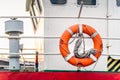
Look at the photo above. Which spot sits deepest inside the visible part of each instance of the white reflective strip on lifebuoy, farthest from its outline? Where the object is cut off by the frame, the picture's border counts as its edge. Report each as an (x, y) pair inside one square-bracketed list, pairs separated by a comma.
[(80, 29), (70, 31), (93, 57), (68, 56), (94, 34)]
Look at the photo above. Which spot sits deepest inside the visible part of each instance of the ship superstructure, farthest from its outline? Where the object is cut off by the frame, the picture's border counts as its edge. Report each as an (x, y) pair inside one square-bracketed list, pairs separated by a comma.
[(58, 15)]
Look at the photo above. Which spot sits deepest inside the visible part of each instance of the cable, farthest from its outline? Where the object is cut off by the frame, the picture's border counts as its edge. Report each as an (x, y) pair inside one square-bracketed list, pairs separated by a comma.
[(83, 44), (80, 11), (73, 39)]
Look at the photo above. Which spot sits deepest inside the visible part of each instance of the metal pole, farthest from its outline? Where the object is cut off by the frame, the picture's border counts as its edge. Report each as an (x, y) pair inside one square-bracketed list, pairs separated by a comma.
[(79, 15), (36, 62)]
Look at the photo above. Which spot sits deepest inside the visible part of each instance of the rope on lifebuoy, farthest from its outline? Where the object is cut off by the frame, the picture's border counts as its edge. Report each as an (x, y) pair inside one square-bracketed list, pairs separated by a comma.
[(87, 57)]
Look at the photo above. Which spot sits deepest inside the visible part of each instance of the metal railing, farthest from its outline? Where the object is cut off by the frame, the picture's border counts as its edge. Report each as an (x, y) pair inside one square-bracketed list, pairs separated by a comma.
[(62, 17), (56, 37), (51, 37)]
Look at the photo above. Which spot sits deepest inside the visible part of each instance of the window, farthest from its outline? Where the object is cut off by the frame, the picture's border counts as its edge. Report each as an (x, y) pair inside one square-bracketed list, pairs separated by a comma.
[(87, 2), (118, 3), (35, 10), (58, 1)]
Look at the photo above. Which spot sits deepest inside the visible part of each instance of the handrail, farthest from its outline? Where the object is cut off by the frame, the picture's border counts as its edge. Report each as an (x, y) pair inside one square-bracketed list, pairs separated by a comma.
[(52, 54), (62, 17), (50, 37)]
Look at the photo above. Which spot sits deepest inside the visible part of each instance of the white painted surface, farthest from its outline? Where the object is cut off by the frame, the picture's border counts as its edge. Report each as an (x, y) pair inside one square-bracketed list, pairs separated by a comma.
[(55, 27)]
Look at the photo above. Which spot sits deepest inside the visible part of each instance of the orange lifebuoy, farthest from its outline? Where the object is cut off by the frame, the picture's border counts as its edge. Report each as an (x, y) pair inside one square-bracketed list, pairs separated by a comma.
[(65, 52)]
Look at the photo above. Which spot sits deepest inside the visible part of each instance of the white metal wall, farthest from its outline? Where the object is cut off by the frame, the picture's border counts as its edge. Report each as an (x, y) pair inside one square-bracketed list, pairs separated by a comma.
[(114, 28), (55, 27)]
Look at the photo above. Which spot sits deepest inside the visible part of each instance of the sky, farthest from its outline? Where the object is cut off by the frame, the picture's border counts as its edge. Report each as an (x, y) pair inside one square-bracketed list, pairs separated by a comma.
[(12, 7), (15, 8)]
